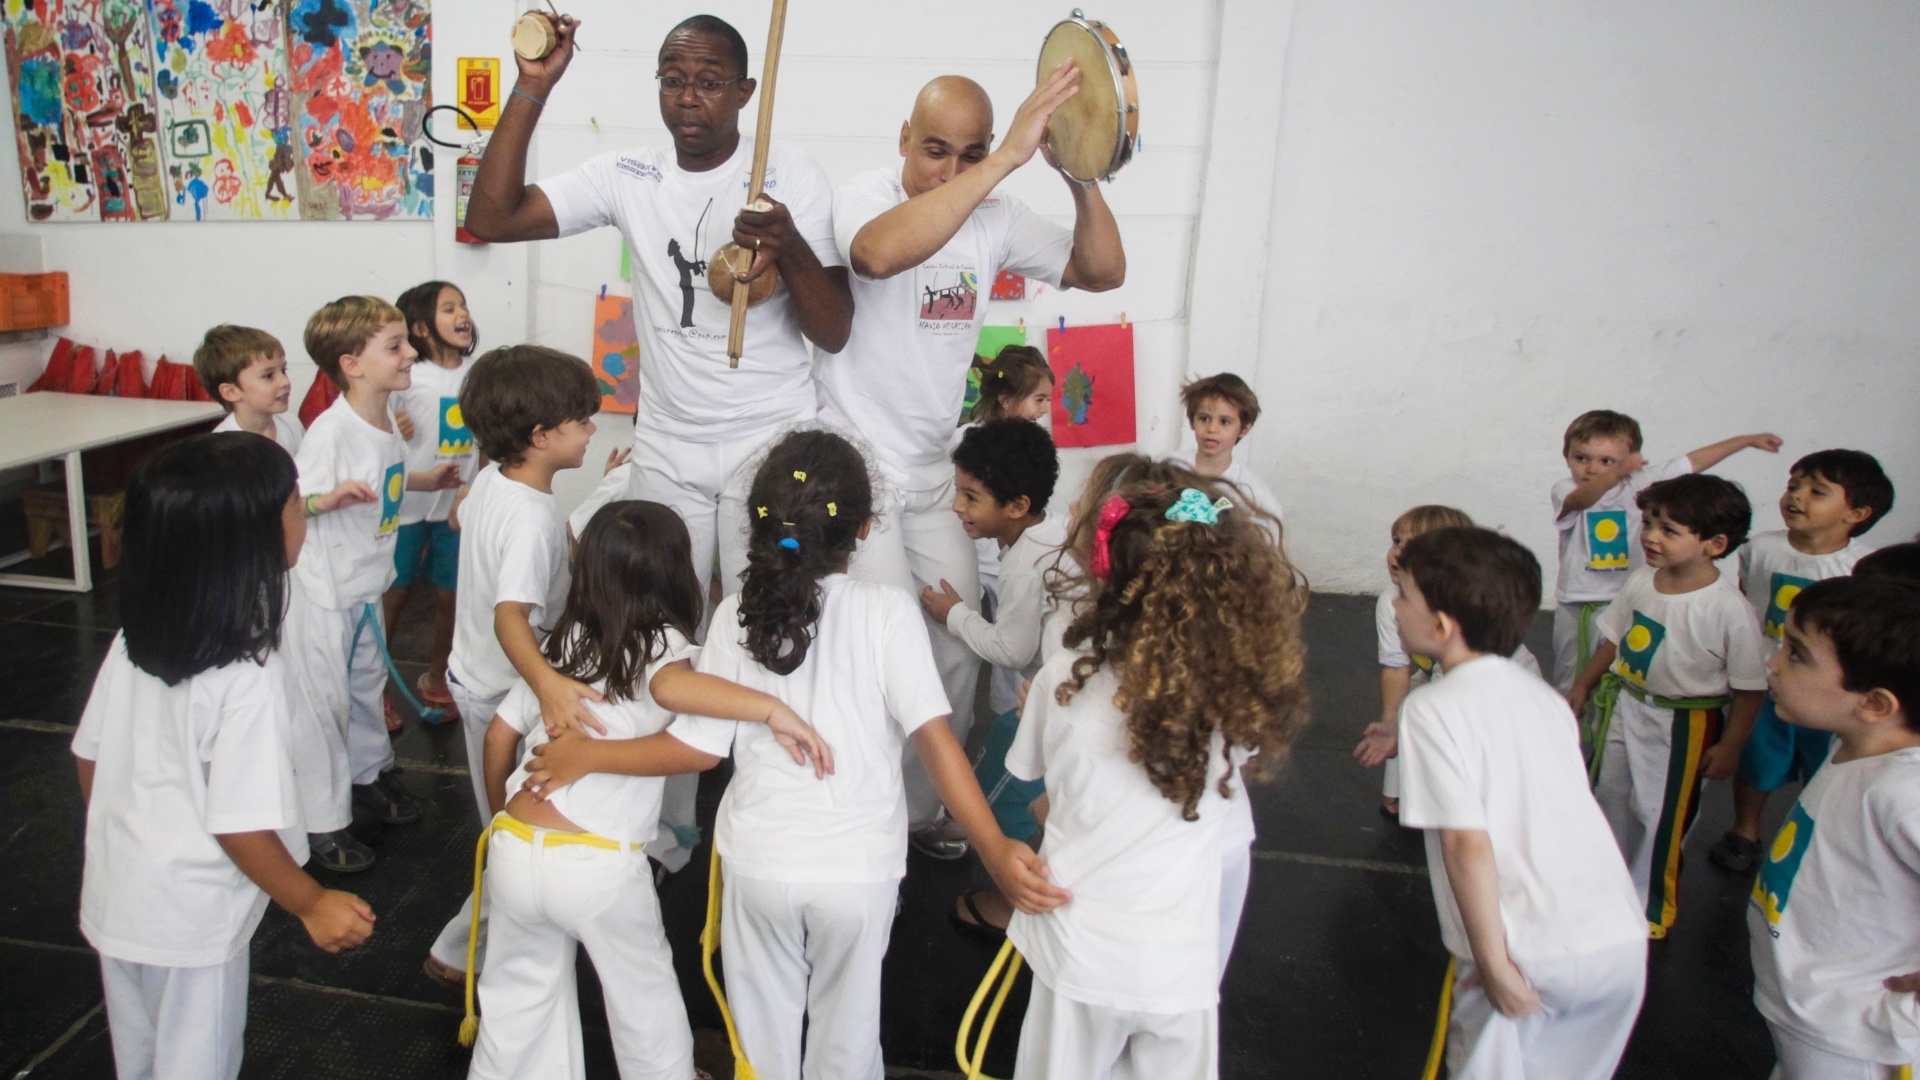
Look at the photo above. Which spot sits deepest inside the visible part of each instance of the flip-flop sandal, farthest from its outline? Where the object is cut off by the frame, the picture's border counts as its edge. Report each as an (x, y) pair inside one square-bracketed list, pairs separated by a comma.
[(1735, 854), (979, 927), (394, 720), (440, 698)]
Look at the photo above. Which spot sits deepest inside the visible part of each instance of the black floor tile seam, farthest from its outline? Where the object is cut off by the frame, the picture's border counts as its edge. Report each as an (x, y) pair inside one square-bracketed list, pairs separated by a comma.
[(1374, 866)]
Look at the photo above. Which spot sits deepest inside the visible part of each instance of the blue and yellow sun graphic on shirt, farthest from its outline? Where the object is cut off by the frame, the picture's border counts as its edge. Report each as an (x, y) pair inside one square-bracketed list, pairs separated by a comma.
[(1775, 883), (391, 488), (455, 439), (1637, 648), (1607, 540), (1782, 589)]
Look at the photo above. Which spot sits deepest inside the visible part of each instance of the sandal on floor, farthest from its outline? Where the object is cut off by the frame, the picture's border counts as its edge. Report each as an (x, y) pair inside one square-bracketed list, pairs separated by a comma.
[(394, 720), (1735, 854), (435, 699), (339, 852), (976, 924)]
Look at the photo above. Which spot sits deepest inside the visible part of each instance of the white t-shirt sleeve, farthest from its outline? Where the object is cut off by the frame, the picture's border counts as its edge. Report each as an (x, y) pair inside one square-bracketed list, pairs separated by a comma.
[(1561, 489), (582, 197), (1617, 618), (808, 197), (86, 737), (317, 464), (1034, 247), (1436, 786), (1746, 650), (912, 687), (1386, 632), (529, 553), (244, 749), (1026, 757), (858, 202), (520, 709), (724, 657)]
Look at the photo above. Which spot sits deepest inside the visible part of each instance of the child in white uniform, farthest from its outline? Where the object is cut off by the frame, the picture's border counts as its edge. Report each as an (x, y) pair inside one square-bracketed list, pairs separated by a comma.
[(1221, 410), (1679, 672), (813, 869), (1126, 973), (427, 545), (565, 866), (1534, 900), (246, 371), (531, 412), (1599, 522), (360, 342), (184, 754)]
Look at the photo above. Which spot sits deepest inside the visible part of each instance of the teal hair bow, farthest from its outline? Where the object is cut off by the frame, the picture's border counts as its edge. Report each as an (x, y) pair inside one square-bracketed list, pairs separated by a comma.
[(1193, 506)]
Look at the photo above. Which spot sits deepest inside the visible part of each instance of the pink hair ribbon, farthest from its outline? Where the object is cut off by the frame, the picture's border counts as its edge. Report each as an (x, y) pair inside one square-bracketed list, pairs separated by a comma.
[(1111, 512)]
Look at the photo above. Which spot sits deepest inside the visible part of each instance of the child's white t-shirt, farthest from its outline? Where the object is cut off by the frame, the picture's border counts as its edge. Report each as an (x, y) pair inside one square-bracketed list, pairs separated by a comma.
[(902, 377), (1239, 474), (176, 766), (1493, 748), (1772, 573), (1698, 644), (868, 683), (348, 557), (513, 550), (1600, 546), (1142, 930), (439, 434), (1832, 911), (286, 429), (1012, 639), (623, 808), (674, 221)]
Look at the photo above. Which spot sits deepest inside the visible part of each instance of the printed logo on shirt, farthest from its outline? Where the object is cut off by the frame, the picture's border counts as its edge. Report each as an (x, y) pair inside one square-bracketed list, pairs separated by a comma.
[(455, 439), (949, 293), (1775, 883), (1607, 547), (1782, 590), (638, 169), (391, 489), (1638, 647), (691, 265), (772, 180)]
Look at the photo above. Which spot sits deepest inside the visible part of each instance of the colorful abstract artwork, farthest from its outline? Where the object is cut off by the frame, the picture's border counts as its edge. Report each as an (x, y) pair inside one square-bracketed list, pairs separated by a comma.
[(1093, 401), (221, 110), (616, 353)]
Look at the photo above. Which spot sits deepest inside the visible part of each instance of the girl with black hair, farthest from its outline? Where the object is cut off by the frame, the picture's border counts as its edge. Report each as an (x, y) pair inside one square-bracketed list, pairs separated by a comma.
[(184, 754), (565, 864)]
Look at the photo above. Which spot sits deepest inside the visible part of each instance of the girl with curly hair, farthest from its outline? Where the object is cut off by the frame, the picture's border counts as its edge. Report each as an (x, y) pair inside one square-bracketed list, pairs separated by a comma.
[(1183, 662)]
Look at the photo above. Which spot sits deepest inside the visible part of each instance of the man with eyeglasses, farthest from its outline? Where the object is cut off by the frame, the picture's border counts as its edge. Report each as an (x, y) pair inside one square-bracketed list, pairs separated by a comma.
[(925, 239), (698, 419)]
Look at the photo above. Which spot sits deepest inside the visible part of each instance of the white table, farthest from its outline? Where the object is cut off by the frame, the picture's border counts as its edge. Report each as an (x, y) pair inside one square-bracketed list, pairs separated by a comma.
[(43, 426)]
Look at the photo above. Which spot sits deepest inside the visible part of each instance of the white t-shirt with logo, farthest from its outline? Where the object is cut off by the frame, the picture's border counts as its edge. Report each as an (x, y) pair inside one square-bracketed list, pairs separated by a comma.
[(439, 434), (1831, 913), (1772, 573), (1698, 644), (1142, 930), (1600, 546), (675, 221), (348, 557), (903, 375), (286, 429), (176, 766), (1493, 748), (623, 808), (513, 550), (868, 683)]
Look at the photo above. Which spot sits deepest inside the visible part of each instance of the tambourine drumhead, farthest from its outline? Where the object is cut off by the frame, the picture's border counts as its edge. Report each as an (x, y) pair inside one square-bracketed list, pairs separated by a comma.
[(1091, 135), (533, 36)]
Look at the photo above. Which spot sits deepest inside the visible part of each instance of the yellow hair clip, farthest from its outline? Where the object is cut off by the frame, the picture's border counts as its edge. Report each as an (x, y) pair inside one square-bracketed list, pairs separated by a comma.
[(763, 510), (800, 476), (832, 510)]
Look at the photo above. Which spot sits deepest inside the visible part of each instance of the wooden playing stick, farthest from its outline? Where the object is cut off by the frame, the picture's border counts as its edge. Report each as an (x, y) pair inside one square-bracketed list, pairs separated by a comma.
[(762, 142)]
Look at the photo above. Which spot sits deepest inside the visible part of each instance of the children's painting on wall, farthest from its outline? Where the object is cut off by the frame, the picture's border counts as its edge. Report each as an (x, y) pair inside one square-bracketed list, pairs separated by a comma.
[(222, 110), (1092, 384), (616, 353)]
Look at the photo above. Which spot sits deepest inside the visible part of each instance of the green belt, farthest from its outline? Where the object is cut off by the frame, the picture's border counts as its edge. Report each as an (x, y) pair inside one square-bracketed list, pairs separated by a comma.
[(1583, 633), (1599, 715)]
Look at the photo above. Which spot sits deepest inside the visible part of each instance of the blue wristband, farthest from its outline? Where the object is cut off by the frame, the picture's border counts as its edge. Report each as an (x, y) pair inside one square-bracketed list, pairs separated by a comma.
[(529, 97)]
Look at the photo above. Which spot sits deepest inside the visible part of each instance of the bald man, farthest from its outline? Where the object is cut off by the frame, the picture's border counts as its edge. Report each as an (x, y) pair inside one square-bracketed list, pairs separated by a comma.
[(924, 239)]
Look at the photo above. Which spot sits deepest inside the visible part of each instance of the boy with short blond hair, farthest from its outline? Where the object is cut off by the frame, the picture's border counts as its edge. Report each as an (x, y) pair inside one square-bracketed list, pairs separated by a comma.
[(1598, 520), (245, 370), (1675, 682), (1832, 935), (360, 342), (1221, 410)]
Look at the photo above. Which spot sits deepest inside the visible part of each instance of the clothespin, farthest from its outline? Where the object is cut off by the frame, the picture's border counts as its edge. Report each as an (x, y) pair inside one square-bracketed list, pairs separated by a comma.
[(1123, 320), (603, 292), (1023, 326), (1063, 324), (595, 121)]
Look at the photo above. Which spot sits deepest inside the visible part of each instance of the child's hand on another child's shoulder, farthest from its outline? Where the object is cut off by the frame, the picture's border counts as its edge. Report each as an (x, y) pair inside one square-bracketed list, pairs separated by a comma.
[(338, 920), (615, 459), (1022, 877), (563, 706), (1377, 743), (404, 423), (348, 493), (798, 738)]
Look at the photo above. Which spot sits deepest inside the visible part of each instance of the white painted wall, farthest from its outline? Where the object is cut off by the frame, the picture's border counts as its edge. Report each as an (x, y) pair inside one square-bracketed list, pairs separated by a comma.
[(1491, 216)]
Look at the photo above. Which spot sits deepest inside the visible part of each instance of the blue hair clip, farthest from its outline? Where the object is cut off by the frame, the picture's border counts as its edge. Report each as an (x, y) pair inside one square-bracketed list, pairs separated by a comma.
[(790, 543), (1193, 506)]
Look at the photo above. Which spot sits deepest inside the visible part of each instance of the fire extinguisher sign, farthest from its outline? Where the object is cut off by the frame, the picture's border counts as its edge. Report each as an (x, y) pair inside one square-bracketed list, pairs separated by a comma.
[(480, 89)]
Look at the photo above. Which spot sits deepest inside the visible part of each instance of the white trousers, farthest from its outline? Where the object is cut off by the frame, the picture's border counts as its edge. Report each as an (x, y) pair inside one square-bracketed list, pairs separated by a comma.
[(809, 953), (1567, 660), (450, 948), (322, 773), (1801, 1060), (918, 542), (1587, 1008), (170, 1023), (1644, 761), (1236, 870), (350, 693), (542, 900), (1390, 778), (1063, 1039)]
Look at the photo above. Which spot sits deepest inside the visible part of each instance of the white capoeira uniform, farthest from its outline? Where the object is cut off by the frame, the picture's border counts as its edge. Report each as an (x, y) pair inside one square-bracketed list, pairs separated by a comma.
[(544, 898), (900, 383), (1599, 547), (169, 913), (813, 866), (345, 568), (513, 549), (1492, 748)]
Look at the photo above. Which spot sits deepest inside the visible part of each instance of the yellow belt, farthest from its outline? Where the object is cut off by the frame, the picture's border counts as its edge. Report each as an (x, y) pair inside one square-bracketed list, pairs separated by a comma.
[(513, 826)]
